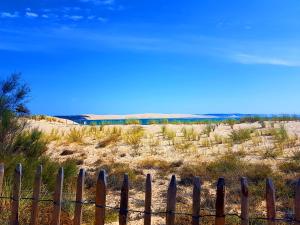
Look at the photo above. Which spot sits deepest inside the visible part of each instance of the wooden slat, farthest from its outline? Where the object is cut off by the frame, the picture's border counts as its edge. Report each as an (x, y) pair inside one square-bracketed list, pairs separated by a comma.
[(57, 198), (220, 202), (123, 214), (36, 196), (1, 177), (100, 198), (171, 202), (14, 219), (297, 202), (196, 201), (270, 201), (244, 202), (79, 198), (148, 199)]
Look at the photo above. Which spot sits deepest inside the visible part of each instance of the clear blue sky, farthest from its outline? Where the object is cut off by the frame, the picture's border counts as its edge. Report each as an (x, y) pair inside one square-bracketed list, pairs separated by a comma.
[(136, 56)]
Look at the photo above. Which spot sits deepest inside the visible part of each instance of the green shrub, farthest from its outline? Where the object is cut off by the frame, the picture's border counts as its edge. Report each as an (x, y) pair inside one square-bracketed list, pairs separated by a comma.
[(258, 172), (241, 135), (30, 143), (227, 165)]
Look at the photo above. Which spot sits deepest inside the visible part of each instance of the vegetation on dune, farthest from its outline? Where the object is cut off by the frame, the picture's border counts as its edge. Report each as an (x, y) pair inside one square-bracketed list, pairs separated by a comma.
[(228, 154), (46, 118), (75, 135), (133, 137), (132, 122), (20, 145), (253, 119), (241, 135), (190, 134)]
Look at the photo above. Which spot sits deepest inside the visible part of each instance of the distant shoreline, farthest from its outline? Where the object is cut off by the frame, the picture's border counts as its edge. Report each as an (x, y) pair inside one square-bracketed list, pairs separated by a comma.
[(144, 116)]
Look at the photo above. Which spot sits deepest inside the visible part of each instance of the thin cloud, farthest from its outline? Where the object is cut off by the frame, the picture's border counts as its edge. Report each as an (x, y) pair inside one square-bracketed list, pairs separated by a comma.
[(31, 14), (74, 17), (256, 59), (228, 50), (9, 15), (100, 2), (102, 19)]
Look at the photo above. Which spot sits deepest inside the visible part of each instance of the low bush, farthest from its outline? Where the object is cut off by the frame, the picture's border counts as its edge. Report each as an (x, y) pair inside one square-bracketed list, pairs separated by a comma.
[(190, 134), (116, 173), (257, 172), (168, 133), (187, 172), (228, 166), (30, 143), (54, 135), (241, 135), (289, 167), (157, 164), (132, 122), (133, 136), (75, 135), (208, 129), (272, 152)]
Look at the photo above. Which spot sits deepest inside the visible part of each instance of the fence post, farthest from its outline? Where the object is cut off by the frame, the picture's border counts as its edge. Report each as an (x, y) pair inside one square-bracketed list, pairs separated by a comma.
[(148, 196), (100, 198), (244, 202), (1, 177), (14, 219), (36, 196), (270, 201), (220, 202), (297, 203), (123, 213), (79, 197), (57, 198), (196, 201), (171, 202)]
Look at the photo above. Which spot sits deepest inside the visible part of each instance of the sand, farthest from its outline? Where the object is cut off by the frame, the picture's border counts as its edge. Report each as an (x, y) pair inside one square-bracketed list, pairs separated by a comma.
[(93, 157)]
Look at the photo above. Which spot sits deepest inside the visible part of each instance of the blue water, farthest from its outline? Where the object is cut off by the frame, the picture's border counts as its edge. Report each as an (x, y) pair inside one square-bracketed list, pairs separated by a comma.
[(217, 117)]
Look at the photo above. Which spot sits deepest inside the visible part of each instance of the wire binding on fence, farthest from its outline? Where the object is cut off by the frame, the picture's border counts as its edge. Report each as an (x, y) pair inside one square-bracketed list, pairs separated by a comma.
[(92, 202), (219, 212)]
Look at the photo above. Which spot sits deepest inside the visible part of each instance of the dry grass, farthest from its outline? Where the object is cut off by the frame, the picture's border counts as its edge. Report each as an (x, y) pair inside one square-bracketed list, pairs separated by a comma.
[(190, 134), (75, 135), (160, 149), (241, 135)]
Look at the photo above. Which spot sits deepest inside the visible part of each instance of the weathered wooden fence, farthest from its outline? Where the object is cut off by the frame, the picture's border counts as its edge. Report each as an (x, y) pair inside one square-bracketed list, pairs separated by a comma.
[(170, 213)]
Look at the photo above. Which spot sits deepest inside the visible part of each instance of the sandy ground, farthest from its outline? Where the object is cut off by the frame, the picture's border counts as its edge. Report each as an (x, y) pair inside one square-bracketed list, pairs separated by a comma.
[(121, 152)]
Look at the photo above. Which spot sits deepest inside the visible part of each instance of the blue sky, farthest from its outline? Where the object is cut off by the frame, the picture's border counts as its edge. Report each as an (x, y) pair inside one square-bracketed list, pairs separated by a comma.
[(137, 56)]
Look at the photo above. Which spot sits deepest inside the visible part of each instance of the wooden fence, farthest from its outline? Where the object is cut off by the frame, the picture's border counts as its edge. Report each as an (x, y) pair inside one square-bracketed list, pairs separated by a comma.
[(170, 213)]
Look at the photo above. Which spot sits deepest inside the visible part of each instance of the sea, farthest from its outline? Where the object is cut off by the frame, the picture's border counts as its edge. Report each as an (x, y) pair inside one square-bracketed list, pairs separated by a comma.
[(202, 118)]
